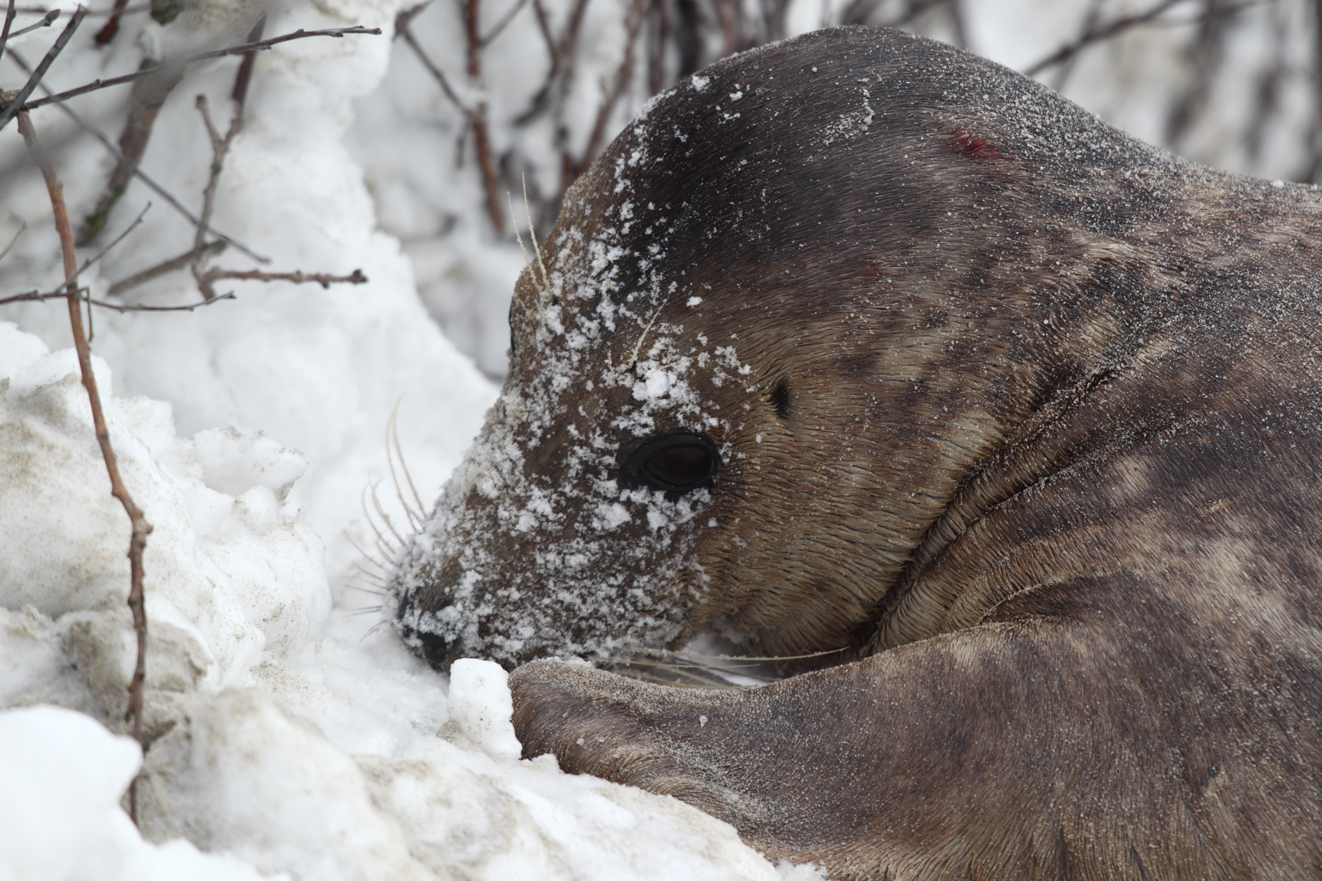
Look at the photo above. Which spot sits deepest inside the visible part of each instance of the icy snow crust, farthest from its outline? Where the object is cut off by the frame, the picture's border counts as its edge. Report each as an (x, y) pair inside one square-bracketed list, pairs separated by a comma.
[(535, 548), (287, 738)]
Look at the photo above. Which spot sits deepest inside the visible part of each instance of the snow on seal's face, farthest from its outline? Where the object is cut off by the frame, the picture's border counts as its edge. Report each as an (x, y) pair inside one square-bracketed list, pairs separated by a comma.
[(572, 525)]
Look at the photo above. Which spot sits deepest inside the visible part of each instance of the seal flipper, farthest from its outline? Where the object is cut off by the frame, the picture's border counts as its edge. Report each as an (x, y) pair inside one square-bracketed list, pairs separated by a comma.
[(1030, 748)]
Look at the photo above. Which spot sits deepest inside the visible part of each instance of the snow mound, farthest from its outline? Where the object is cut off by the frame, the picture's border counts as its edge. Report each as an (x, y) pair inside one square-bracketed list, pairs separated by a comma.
[(279, 737)]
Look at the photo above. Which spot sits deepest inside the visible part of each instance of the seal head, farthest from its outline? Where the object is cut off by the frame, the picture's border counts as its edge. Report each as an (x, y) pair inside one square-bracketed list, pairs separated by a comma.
[(791, 311)]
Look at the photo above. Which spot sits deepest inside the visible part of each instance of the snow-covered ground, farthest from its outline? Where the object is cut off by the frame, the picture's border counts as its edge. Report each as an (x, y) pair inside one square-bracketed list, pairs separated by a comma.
[(290, 734)]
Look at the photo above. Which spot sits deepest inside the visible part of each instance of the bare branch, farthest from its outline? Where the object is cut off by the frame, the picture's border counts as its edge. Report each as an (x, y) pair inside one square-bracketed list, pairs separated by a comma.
[(142, 175), (141, 528), (9, 23), (405, 17), (239, 94), (402, 30), (164, 267), (117, 307), (15, 104), (637, 13), (23, 227), (486, 162), (321, 278), (502, 24), (107, 33), (63, 290), (241, 49), (1099, 32), (46, 21)]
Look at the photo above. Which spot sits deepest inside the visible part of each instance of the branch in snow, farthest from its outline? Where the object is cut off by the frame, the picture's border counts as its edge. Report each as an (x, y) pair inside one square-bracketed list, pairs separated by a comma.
[(14, 103), (241, 49), (140, 527), (142, 175)]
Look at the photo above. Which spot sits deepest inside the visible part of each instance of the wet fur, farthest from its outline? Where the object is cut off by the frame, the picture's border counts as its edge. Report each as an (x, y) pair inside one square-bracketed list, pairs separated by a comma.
[(1034, 430)]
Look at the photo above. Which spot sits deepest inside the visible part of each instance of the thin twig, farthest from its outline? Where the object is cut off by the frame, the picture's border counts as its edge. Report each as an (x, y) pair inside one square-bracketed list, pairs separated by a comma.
[(239, 94), (23, 227), (142, 175), (15, 103), (119, 238), (220, 147), (502, 24), (46, 21), (322, 278), (622, 77), (141, 528), (486, 162), (9, 22), (164, 267), (241, 49), (107, 33), (37, 296), (1099, 32), (435, 71), (405, 17)]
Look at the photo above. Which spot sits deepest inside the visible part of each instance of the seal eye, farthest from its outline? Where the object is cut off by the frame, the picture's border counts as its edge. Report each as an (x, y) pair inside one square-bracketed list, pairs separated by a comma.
[(677, 461)]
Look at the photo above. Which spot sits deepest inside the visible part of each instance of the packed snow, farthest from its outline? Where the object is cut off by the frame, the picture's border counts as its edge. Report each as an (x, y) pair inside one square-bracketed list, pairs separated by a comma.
[(290, 735)]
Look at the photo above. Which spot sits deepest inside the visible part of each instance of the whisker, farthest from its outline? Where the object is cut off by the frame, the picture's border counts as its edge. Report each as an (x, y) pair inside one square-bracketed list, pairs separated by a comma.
[(392, 435), (532, 234), (696, 675), (381, 512), (392, 431), (366, 556), (372, 630), (371, 590), (754, 658)]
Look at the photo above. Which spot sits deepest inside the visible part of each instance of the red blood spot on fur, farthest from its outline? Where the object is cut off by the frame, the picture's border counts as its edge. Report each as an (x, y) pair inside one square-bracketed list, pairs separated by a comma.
[(972, 145)]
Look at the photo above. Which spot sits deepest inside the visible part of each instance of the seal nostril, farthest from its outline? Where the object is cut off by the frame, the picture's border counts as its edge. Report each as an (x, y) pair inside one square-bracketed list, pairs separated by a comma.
[(425, 632), (435, 649)]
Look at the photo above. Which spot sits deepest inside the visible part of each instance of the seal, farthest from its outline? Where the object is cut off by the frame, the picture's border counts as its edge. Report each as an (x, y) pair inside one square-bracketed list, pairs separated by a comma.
[(859, 343)]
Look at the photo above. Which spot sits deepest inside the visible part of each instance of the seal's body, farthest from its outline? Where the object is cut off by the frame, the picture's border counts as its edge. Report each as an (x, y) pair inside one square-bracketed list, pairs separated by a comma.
[(861, 343)]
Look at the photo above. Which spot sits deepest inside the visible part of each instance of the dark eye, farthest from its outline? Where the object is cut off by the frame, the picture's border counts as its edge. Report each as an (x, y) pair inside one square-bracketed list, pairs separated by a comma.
[(676, 461)]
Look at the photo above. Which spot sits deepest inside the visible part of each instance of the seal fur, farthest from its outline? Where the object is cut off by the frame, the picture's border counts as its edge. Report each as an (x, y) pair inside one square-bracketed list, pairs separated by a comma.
[(1022, 416)]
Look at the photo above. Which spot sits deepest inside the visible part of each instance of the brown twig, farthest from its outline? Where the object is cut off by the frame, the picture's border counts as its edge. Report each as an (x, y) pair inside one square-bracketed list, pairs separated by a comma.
[(107, 33), (475, 114), (239, 94), (502, 24), (15, 103), (9, 23), (220, 147), (141, 528), (46, 21), (637, 14), (1099, 32), (402, 30), (63, 293), (164, 268), (242, 49), (145, 103), (486, 162), (321, 278), (22, 228)]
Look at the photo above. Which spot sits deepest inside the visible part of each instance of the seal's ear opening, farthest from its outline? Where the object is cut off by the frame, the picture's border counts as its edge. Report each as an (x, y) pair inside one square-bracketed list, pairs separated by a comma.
[(676, 461), (780, 399)]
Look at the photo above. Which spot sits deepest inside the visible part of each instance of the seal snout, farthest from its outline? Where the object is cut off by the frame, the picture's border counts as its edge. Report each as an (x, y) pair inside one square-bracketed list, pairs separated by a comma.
[(429, 626)]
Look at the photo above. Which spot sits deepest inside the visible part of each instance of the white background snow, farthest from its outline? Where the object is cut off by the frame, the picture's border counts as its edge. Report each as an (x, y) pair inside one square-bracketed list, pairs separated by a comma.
[(291, 736)]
